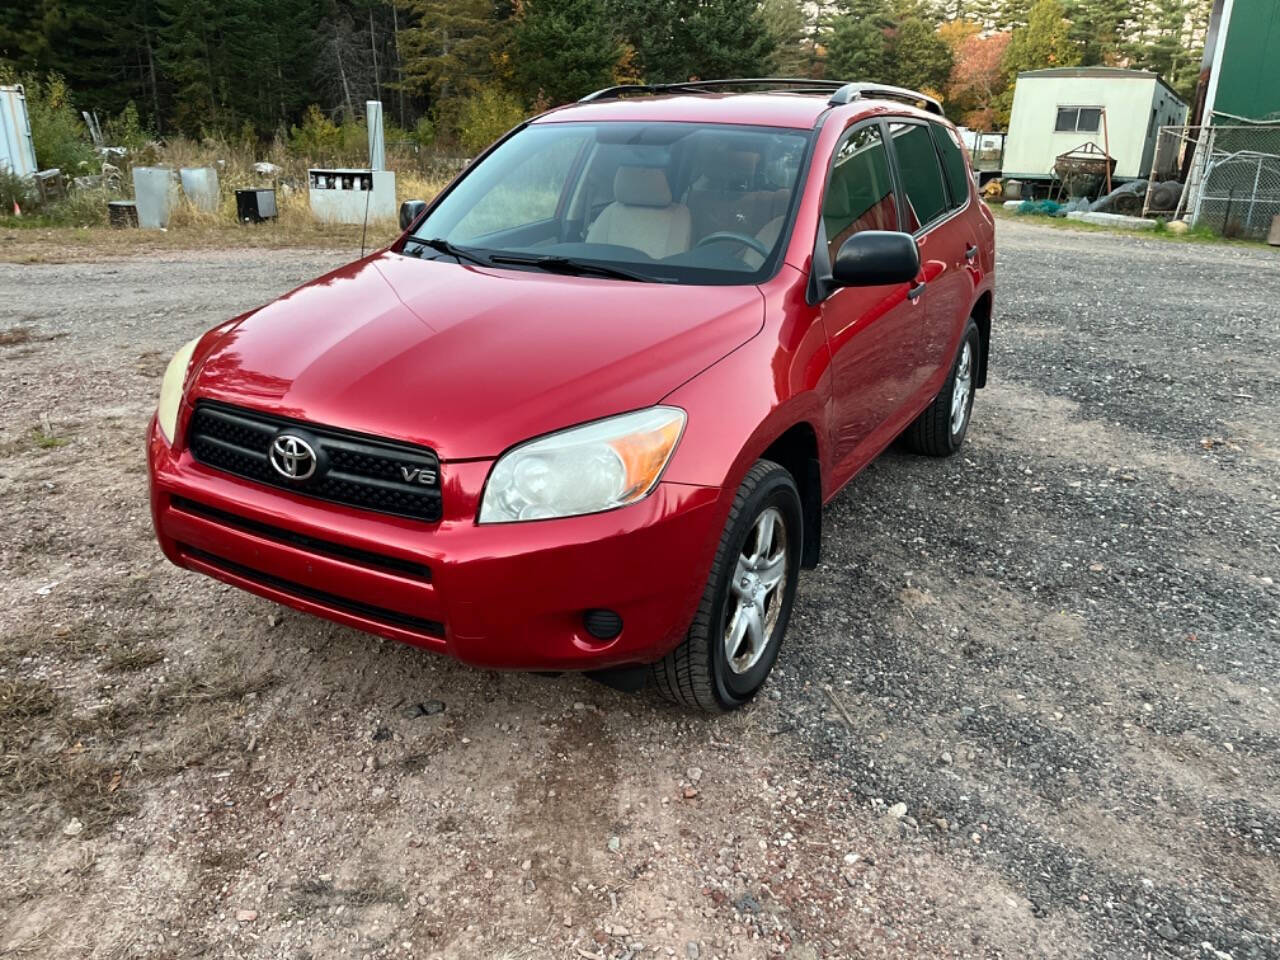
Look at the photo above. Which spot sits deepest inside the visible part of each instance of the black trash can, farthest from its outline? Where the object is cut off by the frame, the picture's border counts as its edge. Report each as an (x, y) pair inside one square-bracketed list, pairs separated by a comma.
[(254, 206), (122, 214)]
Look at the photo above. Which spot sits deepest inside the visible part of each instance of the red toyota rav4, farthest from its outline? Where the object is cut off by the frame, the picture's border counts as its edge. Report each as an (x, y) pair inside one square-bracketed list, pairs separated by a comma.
[(585, 412)]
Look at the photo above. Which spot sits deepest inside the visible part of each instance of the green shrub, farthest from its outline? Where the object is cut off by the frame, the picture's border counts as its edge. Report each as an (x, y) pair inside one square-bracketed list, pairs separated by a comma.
[(486, 115), (80, 208), (317, 138), (321, 141), (125, 129), (60, 137), (424, 132), (15, 189)]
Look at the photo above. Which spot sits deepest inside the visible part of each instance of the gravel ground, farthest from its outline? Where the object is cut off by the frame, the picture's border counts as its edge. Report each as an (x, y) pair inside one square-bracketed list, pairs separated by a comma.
[(1027, 706)]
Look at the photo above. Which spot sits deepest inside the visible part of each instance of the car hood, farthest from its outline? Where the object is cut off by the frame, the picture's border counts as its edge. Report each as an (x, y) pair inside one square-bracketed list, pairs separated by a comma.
[(470, 360)]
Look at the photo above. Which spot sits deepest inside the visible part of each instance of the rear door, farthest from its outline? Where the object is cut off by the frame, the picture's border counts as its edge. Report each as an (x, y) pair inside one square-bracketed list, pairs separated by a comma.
[(935, 184), (926, 205), (872, 331), (957, 236)]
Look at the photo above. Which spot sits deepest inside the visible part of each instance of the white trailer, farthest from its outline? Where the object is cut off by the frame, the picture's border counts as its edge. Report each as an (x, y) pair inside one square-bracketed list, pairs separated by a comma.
[(17, 150), (1056, 111)]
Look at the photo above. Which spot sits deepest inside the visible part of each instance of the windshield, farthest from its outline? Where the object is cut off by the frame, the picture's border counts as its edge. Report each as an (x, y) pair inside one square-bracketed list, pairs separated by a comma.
[(672, 202)]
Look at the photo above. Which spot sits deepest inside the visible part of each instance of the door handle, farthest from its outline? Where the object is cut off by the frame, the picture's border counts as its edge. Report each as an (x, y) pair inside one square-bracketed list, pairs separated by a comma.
[(971, 252), (915, 291)]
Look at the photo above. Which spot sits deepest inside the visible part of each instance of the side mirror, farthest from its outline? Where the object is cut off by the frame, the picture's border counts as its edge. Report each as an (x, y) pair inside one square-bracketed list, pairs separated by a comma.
[(409, 211), (876, 257)]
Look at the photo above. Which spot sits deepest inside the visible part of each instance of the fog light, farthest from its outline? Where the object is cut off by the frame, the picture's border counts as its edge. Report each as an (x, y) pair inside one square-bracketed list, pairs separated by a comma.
[(602, 624)]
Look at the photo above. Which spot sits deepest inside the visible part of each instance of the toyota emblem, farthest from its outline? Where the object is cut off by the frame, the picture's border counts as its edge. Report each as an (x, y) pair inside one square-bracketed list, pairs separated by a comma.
[(292, 457)]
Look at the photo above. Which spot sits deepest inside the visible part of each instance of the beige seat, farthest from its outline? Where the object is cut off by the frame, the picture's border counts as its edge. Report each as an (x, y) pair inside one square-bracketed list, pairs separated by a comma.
[(768, 236), (642, 215)]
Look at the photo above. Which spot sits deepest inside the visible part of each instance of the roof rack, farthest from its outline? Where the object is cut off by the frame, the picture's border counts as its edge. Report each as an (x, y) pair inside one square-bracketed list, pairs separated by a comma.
[(849, 92), (792, 84), (841, 92)]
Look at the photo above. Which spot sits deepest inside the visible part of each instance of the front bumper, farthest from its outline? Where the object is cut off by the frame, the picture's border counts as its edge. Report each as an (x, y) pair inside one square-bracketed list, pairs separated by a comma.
[(506, 596)]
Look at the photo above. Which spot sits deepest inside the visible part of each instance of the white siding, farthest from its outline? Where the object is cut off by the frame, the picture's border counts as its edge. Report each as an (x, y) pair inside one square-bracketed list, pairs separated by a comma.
[(1034, 143)]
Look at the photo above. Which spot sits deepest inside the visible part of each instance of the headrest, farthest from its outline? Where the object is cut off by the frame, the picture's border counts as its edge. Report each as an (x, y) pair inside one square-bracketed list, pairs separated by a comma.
[(725, 169), (641, 187), (741, 165)]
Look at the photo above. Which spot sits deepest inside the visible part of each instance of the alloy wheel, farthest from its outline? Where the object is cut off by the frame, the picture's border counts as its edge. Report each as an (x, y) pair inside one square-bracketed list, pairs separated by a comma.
[(963, 387), (756, 592)]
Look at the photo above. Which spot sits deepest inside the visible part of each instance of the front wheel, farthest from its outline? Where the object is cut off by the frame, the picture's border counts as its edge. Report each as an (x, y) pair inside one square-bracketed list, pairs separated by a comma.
[(734, 639), (939, 430)]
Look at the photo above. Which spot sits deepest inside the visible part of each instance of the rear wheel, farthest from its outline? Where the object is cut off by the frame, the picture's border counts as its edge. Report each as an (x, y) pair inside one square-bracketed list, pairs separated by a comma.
[(734, 639), (940, 429)]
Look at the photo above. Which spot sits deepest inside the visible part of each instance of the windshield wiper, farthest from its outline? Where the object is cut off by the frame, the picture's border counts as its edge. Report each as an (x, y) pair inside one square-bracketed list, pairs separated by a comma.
[(559, 264), (441, 245)]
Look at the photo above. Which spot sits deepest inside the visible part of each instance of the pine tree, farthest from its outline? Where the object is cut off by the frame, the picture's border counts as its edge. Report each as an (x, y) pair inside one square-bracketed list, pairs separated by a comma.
[(785, 22), (563, 49), (1044, 42), (917, 58), (856, 50), (449, 46), (186, 51), (1099, 28), (899, 45), (1012, 13), (683, 39), (1168, 44)]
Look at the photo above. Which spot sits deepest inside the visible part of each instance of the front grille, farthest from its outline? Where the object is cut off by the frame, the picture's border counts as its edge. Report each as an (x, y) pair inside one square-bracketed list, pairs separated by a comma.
[(395, 618), (353, 469), (340, 551)]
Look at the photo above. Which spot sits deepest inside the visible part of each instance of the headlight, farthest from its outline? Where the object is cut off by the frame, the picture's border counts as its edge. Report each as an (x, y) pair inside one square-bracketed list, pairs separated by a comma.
[(585, 469), (175, 378)]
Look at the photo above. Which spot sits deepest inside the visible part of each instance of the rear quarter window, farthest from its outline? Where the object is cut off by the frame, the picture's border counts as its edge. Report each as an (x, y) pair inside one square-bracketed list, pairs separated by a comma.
[(954, 168)]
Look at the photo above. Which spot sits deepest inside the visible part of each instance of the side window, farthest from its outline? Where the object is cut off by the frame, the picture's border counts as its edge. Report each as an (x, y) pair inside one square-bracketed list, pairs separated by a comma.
[(953, 165), (921, 175), (860, 191)]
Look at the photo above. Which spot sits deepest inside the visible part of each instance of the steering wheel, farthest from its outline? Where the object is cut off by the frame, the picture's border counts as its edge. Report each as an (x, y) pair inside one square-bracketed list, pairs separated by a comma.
[(728, 236)]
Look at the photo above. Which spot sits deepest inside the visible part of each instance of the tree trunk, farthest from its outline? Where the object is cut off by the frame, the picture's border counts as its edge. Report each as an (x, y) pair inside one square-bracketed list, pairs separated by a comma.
[(151, 68), (395, 41), (342, 72)]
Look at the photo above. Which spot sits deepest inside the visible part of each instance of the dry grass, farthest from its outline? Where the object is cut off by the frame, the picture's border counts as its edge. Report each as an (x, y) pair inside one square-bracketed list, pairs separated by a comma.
[(312, 896), (43, 239), (60, 761), (137, 657)]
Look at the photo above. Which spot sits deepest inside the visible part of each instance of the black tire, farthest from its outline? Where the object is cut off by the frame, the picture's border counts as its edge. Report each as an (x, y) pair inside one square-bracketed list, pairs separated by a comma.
[(932, 433), (697, 673)]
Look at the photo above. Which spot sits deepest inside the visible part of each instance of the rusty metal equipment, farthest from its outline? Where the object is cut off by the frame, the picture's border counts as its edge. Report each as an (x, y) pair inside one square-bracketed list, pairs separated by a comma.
[(1081, 171)]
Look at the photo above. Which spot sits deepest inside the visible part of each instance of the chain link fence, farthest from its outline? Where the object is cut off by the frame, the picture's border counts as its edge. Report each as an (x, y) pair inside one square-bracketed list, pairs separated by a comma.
[(1224, 177)]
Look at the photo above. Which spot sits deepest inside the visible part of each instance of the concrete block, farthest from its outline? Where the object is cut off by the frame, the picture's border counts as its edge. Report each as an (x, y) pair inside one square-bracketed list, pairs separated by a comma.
[(1112, 220), (343, 195)]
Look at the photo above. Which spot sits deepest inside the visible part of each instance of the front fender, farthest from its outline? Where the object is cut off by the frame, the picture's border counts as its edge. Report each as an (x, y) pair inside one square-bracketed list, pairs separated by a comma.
[(744, 402)]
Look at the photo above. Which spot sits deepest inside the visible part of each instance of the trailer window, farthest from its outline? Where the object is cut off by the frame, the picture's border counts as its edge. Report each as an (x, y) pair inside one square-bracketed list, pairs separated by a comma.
[(1078, 119)]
